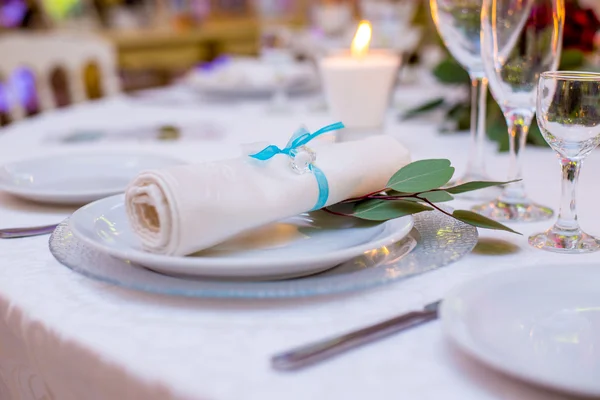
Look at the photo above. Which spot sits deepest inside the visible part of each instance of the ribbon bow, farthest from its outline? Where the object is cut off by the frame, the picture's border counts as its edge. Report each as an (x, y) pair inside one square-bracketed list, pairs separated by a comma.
[(297, 145)]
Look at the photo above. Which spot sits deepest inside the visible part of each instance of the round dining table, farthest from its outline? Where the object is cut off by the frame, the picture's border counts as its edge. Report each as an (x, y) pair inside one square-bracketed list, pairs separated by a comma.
[(64, 336)]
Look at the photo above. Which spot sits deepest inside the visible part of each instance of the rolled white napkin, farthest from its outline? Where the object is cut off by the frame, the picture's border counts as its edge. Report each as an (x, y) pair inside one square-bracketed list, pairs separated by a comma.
[(185, 209)]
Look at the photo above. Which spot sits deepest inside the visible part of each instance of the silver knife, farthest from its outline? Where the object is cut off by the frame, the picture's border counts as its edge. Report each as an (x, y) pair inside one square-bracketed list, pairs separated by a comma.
[(14, 233), (316, 352)]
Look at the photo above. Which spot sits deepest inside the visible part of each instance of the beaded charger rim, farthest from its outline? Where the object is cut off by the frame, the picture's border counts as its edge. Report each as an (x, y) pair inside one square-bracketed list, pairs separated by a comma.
[(436, 240)]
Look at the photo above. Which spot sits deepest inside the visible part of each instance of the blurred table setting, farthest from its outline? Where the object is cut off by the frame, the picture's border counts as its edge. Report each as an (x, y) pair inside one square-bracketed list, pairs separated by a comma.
[(355, 210)]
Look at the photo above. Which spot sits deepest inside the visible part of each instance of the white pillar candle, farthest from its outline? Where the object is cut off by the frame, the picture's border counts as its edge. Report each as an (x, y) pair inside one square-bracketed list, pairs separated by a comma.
[(357, 84)]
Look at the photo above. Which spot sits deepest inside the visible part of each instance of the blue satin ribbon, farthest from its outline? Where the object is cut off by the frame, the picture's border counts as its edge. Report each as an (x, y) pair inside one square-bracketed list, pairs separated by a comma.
[(299, 139)]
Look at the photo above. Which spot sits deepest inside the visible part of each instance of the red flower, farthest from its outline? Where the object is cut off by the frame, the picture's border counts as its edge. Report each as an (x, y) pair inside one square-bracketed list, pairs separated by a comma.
[(581, 25)]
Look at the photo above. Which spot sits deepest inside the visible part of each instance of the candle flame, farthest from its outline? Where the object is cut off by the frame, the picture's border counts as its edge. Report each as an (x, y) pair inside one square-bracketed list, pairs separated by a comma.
[(362, 39)]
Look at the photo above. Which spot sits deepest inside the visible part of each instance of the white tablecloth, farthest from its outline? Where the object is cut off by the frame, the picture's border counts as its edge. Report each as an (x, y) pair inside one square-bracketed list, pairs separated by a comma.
[(63, 336)]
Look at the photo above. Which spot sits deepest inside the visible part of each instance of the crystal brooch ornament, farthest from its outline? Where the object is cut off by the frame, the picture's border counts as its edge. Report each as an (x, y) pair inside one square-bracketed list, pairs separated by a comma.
[(301, 159)]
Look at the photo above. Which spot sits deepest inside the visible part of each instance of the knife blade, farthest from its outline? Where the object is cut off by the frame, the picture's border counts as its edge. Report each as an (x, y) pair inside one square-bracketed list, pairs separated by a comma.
[(316, 352)]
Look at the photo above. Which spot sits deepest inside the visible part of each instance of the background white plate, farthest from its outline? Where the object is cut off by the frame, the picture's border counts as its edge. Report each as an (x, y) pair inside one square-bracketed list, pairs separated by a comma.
[(253, 77), (76, 178), (540, 324), (296, 88), (299, 246)]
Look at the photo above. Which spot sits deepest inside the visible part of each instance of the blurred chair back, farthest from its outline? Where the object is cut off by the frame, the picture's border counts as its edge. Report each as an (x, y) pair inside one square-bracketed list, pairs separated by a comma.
[(42, 54)]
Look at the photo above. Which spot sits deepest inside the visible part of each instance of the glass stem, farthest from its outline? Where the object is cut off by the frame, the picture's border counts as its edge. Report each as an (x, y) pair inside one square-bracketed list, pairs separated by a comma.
[(518, 122), (476, 165), (567, 218)]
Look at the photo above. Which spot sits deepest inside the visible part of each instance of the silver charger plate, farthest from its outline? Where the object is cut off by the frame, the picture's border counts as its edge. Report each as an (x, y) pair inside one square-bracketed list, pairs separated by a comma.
[(435, 241), (298, 88)]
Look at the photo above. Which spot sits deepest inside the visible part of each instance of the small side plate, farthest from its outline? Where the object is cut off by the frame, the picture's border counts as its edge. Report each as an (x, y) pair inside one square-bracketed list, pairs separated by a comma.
[(538, 324), (76, 179)]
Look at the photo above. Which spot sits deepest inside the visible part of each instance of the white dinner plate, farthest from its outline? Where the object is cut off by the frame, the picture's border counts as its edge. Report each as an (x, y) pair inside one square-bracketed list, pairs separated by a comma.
[(539, 324), (76, 179), (254, 78), (216, 89), (302, 245)]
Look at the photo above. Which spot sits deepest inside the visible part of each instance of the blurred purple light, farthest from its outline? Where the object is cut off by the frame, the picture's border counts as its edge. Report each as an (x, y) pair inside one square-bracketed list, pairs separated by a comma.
[(22, 85), (216, 63), (3, 98), (12, 12)]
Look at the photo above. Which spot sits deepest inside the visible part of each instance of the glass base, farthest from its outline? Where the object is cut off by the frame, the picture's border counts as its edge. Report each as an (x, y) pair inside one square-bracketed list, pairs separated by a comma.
[(567, 242), (477, 195), (499, 210)]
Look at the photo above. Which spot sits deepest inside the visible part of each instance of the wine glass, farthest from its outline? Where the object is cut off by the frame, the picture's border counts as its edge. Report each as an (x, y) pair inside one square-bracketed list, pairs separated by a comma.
[(391, 21), (568, 113), (520, 40), (276, 39), (332, 17), (275, 51), (459, 24)]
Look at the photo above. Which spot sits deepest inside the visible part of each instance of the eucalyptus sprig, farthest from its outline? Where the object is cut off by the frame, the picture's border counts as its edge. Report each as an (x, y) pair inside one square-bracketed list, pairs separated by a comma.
[(415, 188)]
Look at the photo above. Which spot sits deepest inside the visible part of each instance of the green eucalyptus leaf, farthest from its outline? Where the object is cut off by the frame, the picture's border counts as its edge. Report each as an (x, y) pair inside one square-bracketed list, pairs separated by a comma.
[(382, 210), (422, 176), (438, 196), (342, 208), (480, 221), (475, 185), (429, 106)]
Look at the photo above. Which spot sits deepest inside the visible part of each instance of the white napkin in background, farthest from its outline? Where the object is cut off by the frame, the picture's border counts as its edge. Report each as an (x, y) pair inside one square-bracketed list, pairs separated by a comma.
[(185, 209)]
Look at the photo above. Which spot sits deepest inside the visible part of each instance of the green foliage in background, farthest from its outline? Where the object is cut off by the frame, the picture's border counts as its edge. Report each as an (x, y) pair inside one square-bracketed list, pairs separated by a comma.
[(459, 114)]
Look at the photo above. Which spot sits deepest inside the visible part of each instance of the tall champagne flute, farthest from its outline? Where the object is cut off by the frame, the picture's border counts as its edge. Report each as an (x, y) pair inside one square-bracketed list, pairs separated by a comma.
[(568, 113), (459, 24), (520, 39)]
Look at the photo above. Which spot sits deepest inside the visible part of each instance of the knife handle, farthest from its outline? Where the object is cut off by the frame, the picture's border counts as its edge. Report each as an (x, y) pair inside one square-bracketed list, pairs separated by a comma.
[(14, 233), (322, 350)]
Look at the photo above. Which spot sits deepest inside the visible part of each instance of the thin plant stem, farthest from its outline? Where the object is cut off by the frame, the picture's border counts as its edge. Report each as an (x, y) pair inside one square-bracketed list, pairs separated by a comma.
[(365, 196), (436, 207), (327, 210)]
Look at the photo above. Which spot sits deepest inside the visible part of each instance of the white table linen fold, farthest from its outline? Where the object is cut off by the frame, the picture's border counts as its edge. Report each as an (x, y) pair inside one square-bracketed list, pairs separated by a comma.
[(64, 336)]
